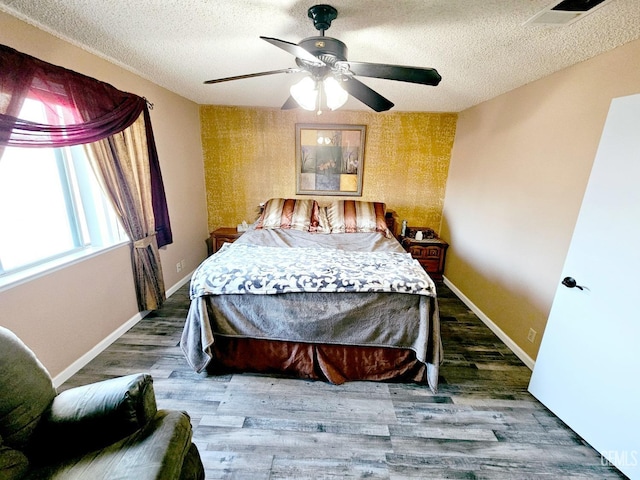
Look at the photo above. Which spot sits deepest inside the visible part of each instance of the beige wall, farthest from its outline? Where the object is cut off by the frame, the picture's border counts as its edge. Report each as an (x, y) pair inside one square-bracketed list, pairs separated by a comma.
[(68, 312), (250, 157), (519, 168)]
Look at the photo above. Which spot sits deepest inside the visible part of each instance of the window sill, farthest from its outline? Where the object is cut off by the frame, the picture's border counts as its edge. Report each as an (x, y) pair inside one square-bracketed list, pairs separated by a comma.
[(11, 280)]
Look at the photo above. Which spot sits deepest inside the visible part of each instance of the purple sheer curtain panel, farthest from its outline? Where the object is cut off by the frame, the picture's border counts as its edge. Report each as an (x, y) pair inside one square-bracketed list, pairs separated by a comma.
[(164, 236), (14, 85)]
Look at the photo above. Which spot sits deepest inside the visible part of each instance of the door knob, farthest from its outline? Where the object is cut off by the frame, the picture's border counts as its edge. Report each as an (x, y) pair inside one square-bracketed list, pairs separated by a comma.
[(570, 282)]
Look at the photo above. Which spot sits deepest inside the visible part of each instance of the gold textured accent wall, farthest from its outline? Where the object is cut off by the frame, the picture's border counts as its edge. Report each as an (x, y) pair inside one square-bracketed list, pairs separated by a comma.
[(249, 157)]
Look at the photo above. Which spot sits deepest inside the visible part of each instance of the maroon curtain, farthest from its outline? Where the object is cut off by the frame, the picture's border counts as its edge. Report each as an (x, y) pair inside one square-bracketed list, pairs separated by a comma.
[(158, 198), (98, 110)]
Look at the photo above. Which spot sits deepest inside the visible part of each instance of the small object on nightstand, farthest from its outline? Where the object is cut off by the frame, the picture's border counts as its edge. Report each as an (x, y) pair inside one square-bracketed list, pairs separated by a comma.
[(223, 235), (424, 232), (242, 227)]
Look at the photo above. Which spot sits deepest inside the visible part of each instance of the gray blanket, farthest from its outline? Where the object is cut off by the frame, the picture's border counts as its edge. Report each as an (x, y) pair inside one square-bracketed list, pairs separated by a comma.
[(365, 316)]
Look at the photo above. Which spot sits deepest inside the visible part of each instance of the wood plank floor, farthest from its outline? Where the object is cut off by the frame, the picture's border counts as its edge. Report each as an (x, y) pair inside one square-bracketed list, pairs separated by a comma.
[(481, 424)]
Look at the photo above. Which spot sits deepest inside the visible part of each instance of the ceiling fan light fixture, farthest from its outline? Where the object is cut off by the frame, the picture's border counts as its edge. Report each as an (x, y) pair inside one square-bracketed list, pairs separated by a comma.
[(324, 59), (334, 93), (305, 92)]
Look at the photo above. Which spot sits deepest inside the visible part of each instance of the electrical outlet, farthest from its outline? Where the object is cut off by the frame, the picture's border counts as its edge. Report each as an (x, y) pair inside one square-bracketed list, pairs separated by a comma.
[(532, 335), (182, 264), (178, 267)]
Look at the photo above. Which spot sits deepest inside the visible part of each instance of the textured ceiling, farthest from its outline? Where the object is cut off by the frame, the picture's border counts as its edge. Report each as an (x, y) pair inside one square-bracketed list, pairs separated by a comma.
[(480, 48)]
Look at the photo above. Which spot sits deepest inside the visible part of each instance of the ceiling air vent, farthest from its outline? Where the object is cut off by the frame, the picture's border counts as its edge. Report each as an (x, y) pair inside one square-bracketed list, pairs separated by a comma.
[(565, 12)]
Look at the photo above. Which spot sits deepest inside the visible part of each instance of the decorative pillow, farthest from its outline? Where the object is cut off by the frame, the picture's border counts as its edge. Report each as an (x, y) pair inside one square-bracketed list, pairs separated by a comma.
[(351, 216), (289, 213)]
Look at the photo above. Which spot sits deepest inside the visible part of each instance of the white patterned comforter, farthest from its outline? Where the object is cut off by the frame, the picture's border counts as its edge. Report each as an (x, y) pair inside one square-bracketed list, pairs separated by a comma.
[(261, 270)]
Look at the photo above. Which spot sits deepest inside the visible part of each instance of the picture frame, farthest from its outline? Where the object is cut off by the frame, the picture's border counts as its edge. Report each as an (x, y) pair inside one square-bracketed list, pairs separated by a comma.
[(329, 159)]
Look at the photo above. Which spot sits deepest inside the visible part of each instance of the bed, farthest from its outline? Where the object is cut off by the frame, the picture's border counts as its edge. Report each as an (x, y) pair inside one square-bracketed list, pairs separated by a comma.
[(315, 292)]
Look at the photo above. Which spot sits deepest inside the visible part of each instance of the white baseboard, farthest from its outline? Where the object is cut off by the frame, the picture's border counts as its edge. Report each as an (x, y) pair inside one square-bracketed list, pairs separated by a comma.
[(519, 352), (180, 283), (72, 369)]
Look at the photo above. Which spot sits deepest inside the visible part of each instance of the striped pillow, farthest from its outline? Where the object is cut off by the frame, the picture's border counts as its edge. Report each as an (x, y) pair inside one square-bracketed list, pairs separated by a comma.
[(351, 216), (289, 213)]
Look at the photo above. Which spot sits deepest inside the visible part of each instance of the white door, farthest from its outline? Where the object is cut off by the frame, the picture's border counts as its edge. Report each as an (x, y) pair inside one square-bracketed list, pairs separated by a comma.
[(588, 367)]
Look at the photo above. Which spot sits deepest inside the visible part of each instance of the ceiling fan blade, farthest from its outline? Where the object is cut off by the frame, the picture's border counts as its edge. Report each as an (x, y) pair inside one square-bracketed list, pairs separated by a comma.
[(366, 95), (250, 75), (290, 104), (424, 76), (294, 50)]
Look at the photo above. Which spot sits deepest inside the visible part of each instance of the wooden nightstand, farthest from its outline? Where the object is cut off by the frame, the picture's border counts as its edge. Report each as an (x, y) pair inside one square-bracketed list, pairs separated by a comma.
[(430, 252), (223, 235)]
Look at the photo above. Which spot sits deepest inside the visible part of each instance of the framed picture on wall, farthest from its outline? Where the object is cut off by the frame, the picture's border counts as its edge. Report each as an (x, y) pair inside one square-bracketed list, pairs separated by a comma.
[(329, 159)]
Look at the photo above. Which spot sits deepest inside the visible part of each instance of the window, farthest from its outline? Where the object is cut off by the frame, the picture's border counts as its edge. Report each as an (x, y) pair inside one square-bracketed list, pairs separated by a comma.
[(51, 205)]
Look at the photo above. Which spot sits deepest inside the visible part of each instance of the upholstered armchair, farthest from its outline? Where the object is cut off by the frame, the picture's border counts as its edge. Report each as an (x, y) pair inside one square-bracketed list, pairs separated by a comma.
[(106, 430)]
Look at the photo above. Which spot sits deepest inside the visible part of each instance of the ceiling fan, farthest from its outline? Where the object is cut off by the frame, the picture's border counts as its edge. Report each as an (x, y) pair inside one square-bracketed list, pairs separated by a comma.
[(331, 75)]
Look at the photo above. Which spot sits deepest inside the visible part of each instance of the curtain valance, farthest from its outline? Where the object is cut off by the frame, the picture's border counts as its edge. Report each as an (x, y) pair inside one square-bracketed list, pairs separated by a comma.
[(93, 110), (80, 110)]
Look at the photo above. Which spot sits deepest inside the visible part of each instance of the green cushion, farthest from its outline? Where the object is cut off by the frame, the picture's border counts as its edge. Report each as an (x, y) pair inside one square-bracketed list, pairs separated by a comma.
[(192, 468), (13, 463), (26, 390), (148, 444), (155, 452), (93, 416)]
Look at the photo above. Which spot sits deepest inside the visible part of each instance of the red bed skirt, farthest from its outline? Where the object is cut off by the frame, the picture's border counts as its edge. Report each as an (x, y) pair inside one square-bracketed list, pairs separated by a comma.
[(333, 363)]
